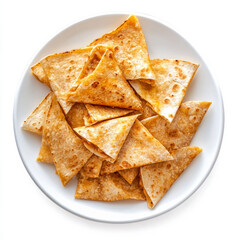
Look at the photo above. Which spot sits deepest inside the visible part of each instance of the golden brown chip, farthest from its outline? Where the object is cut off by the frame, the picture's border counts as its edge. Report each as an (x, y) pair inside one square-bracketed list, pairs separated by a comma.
[(45, 154), (130, 49), (108, 136), (98, 113), (111, 187), (158, 178), (167, 92), (95, 150), (105, 86), (34, 123), (180, 132), (92, 168), (147, 111), (75, 116), (140, 148), (69, 153), (129, 174), (39, 73), (62, 70)]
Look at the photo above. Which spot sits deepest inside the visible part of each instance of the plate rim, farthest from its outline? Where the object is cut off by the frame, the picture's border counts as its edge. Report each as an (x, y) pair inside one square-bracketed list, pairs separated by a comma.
[(103, 14)]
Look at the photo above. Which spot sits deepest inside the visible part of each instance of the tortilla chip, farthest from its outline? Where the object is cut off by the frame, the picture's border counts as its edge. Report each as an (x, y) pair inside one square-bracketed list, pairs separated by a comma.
[(69, 153), (105, 86), (140, 148), (111, 187), (180, 132), (62, 70), (34, 123), (158, 178), (167, 92), (130, 50), (147, 111), (39, 73), (95, 150), (108, 136), (45, 154), (92, 168), (129, 174), (98, 113), (75, 116)]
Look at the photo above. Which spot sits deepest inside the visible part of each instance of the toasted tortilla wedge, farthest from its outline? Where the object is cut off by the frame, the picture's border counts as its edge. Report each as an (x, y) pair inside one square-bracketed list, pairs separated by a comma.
[(62, 70), (68, 151), (45, 154), (108, 136), (75, 116), (111, 187), (98, 113), (167, 92), (95, 150), (92, 168), (105, 86), (130, 50), (34, 123), (180, 132), (147, 111), (139, 149), (129, 174), (39, 73), (158, 178)]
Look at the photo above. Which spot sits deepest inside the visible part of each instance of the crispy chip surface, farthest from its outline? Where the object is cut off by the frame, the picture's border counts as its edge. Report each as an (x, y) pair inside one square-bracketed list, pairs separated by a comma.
[(140, 148), (62, 70), (180, 132), (98, 113), (105, 86), (75, 116), (129, 174), (111, 187), (166, 93), (130, 49), (108, 136), (34, 123), (45, 154), (68, 151), (158, 178), (39, 73)]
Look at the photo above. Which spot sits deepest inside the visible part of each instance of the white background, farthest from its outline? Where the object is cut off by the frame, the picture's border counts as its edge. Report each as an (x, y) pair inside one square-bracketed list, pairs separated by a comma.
[(213, 28)]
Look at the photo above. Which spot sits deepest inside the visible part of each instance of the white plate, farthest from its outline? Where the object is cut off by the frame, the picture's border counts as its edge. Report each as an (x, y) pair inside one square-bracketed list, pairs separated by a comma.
[(163, 42)]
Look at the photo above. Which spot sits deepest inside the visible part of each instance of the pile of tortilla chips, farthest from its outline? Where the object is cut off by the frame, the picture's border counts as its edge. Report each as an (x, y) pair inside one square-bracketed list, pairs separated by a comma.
[(115, 118)]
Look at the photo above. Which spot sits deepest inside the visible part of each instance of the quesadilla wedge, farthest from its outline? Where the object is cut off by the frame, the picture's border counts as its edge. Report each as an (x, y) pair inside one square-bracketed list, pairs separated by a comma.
[(108, 136), (45, 154), (168, 91), (34, 123), (68, 151), (140, 148), (98, 113), (95, 150), (158, 178), (39, 73), (111, 187), (180, 132), (130, 50), (62, 70), (92, 168), (105, 86), (129, 174)]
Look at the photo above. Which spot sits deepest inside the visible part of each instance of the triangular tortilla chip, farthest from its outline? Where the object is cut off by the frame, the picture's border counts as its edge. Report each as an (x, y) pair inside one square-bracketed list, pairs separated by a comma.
[(95, 150), (105, 86), (180, 132), (167, 92), (45, 154), (62, 70), (158, 178), (34, 123), (139, 149), (108, 136), (130, 49), (98, 113), (111, 187), (129, 174), (39, 73), (69, 153), (75, 116), (92, 168), (147, 111)]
